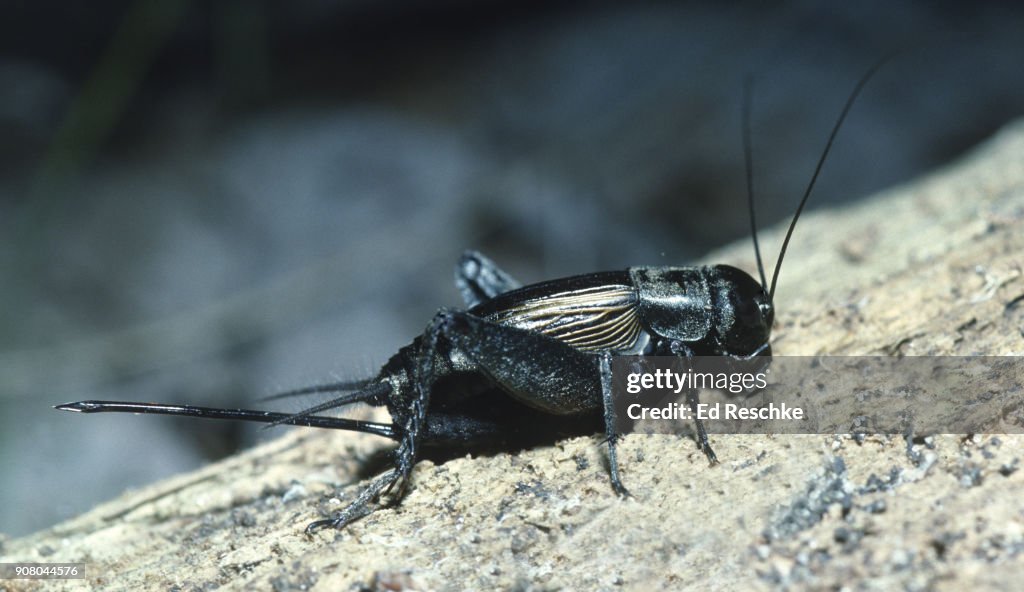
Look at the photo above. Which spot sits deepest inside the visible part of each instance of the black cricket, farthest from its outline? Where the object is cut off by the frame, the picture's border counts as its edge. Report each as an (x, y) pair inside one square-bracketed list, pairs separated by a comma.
[(523, 360)]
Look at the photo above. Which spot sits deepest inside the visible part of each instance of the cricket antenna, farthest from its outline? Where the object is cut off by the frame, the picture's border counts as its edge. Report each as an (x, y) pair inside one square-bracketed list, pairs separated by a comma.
[(821, 162), (748, 89)]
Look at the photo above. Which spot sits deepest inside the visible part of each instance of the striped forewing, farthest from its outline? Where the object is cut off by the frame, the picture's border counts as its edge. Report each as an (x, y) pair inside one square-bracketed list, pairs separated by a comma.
[(591, 319)]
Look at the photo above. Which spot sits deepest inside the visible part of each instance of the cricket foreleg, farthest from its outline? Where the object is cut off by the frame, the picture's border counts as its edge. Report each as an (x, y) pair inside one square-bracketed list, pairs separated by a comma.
[(693, 400)]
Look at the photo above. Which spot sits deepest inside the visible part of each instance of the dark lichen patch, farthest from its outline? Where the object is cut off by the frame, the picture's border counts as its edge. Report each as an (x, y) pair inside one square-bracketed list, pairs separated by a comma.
[(192, 587), (582, 463), (243, 518), (878, 506), (999, 547), (827, 489), (970, 474), (848, 538), (299, 579), (876, 484), (943, 544), (392, 581), (535, 488)]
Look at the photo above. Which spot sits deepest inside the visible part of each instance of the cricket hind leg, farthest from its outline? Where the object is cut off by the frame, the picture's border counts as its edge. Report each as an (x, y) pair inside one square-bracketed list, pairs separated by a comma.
[(536, 370), (368, 499), (409, 434), (479, 279), (540, 372), (486, 420), (362, 506)]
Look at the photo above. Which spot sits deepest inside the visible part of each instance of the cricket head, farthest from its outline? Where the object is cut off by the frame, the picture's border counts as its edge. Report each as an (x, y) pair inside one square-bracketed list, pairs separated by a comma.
[(743, 313)]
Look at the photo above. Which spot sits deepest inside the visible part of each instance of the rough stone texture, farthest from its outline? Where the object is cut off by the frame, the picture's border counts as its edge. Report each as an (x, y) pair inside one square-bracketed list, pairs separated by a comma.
[(932, 268)]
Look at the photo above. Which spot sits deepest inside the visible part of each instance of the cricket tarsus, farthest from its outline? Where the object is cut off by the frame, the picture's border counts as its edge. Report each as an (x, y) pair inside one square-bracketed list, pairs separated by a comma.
[(315, 421), (363, 506)]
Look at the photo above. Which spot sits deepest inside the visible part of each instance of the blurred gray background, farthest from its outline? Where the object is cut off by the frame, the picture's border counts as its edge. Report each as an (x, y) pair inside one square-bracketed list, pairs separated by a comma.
[(210, 202)]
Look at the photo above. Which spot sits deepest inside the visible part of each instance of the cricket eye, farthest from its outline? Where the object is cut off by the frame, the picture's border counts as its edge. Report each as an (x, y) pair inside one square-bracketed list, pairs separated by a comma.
[(748, 312)]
